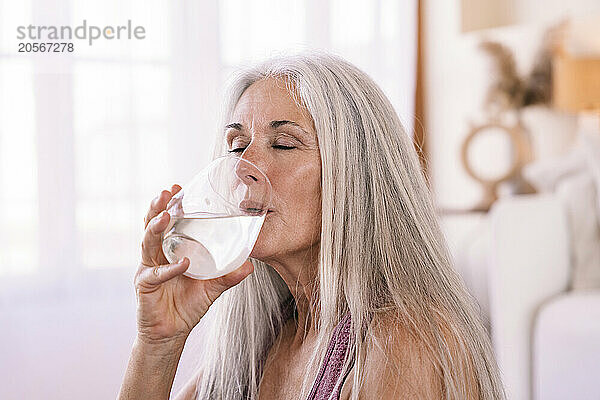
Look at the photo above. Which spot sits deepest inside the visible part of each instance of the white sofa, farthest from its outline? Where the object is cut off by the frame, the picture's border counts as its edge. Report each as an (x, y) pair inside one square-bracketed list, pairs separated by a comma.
[(546, 338)]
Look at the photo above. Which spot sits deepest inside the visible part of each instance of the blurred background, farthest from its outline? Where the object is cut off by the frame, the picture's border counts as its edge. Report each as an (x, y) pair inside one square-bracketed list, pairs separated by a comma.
[(502, 100)]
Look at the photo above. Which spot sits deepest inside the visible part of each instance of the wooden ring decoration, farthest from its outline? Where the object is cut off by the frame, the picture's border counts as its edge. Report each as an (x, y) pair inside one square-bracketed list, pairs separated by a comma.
[(520, 156)]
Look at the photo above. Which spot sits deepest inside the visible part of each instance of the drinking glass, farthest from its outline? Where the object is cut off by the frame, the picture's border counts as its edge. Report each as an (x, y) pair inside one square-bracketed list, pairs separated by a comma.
[(216, 218)]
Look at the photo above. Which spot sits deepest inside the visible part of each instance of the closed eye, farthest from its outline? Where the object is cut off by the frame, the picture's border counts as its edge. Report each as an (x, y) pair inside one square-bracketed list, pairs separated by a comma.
[(275, 146)]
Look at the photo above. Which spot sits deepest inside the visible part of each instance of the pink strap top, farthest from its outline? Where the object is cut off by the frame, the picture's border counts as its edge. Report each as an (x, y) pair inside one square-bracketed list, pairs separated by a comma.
[(333, 363)]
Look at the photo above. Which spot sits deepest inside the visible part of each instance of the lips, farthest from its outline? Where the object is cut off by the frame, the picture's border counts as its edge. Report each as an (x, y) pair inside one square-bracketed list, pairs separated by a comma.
[(251, 207)]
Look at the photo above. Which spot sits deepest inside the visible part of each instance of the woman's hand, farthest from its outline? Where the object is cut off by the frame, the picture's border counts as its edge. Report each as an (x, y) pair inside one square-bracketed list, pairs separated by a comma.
[(170, 304)]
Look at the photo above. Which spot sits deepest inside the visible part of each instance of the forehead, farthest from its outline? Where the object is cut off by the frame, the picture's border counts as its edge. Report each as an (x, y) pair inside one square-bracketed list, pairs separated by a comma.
[(267, 100)]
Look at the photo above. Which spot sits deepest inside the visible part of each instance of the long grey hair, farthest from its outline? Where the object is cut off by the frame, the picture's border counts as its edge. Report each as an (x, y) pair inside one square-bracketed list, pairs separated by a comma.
[(381, 247)]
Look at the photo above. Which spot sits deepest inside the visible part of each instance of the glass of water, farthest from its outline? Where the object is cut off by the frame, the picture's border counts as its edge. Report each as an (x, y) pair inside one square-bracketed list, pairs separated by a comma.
[(216, 218)]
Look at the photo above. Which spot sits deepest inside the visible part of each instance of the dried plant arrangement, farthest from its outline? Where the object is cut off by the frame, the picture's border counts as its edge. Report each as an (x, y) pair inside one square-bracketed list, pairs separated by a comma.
[(509, 90)]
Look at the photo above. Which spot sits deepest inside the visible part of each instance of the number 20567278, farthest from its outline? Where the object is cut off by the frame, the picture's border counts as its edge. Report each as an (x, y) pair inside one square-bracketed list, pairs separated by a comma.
[(55, 47)]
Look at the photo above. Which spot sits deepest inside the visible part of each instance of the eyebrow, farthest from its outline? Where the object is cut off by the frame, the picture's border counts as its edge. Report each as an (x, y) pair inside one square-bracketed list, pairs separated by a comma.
[(277, 124), (274, 125), (235, 125)]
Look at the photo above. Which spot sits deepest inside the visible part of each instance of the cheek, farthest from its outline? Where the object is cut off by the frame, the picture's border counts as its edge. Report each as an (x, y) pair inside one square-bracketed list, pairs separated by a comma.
[(297, 201), (296, 223), (304, 206), (300, 190)]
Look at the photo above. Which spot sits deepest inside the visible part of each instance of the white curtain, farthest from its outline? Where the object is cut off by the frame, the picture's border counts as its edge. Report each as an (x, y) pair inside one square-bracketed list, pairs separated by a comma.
[(87, 139)]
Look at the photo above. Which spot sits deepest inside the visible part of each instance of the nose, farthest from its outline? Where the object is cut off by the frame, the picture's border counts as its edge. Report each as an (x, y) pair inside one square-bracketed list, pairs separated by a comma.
[(252, 169), (247, 172), (255, 187)]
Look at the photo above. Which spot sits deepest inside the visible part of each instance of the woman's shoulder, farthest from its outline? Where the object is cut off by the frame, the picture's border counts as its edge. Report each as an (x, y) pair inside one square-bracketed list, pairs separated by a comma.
[(398, 363), (390, 326)]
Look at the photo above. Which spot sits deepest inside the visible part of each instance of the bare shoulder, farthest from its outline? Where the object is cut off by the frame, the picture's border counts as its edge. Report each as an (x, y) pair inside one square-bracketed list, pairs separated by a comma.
[(188, 392), (398, 364)]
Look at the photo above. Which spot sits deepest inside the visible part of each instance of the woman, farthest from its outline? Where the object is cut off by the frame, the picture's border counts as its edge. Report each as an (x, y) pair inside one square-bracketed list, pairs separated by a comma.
[(349, 291)]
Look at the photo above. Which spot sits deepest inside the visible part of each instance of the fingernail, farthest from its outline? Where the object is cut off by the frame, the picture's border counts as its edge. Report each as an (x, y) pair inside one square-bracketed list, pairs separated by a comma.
[(181, 260)]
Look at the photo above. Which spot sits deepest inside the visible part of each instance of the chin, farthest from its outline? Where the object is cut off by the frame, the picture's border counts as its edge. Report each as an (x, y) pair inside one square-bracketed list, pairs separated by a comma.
[(260, 251)]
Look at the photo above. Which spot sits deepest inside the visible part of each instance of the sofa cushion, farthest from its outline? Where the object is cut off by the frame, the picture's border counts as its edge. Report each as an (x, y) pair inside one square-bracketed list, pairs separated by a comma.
[(566, 348), (575, 179), (578, 194)]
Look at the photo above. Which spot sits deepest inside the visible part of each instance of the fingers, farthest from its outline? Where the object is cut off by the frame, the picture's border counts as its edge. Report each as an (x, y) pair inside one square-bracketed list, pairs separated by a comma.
[(175, 188), (154, 224), (150, 277), (152, 254), (160, 203)]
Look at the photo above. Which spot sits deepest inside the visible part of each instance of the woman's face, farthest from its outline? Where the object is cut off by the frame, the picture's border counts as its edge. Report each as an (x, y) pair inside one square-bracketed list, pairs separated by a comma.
[(270, 130)]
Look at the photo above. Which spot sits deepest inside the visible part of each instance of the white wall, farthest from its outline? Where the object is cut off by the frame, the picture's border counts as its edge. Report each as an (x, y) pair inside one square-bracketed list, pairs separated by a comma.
[(73, 346)]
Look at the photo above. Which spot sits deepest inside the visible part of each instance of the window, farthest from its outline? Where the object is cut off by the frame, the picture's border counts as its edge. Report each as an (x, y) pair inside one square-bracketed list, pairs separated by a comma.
[(18, 150), (18, 169), (93, 132), (88, 139)]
